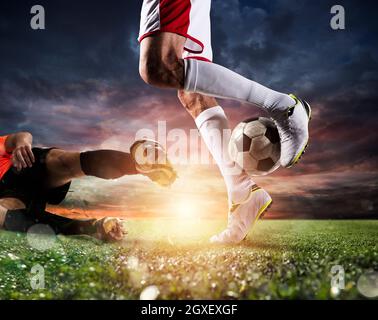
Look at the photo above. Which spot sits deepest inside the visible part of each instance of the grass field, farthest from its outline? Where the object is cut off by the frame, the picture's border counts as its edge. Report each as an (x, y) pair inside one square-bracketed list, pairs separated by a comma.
[(279, 260)]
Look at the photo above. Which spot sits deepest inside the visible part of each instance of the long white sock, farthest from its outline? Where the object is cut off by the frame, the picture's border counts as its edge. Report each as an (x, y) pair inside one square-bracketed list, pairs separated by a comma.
[(213, 126), (217, 81)]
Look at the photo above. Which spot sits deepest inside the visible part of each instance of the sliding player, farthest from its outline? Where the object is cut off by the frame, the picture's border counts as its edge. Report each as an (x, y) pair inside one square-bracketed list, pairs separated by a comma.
[(32, 177), (175, 52)]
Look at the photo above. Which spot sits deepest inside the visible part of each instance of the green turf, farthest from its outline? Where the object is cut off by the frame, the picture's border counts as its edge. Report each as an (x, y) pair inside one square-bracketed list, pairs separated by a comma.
[(279, 260)]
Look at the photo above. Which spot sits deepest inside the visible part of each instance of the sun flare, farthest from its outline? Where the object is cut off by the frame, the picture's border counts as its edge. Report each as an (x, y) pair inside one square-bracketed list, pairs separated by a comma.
[(186, 210)]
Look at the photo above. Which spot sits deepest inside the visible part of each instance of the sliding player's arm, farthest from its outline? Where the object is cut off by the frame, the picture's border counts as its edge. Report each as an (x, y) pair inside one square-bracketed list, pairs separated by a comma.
[(20, 146)]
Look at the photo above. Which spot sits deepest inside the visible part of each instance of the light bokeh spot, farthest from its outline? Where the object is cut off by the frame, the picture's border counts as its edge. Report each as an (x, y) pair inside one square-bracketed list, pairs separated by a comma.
[(150, 293), (367, 284), (41, 237)]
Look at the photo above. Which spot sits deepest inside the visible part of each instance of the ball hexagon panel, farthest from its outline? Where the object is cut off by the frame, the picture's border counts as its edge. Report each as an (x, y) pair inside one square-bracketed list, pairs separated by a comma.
[(243, 143), (261, 148), (238, 130), (265, 164), (254, 129)]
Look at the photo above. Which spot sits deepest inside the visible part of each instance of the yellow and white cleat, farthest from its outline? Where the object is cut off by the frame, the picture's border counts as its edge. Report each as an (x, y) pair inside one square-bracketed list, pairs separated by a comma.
[(152, 161), (243, 216), (292, 125)]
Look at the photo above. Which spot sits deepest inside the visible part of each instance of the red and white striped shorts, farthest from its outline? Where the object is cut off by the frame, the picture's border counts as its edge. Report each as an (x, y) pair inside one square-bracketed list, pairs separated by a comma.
[(188, 18)]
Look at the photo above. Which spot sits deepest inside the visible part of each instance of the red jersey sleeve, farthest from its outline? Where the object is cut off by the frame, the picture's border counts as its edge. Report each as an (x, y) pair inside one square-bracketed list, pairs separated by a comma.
[(5, 157), (2, 145)]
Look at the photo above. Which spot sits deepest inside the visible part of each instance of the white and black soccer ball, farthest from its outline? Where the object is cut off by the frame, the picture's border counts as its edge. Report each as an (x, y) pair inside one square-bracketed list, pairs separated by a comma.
[(255, 146)]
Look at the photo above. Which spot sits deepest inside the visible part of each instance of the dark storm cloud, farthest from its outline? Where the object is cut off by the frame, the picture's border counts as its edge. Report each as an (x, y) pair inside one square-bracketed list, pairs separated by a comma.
[(84, 39), (77, 83)]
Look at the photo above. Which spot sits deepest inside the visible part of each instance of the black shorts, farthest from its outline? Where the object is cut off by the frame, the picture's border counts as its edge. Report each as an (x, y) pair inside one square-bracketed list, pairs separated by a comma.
[(29, 185)]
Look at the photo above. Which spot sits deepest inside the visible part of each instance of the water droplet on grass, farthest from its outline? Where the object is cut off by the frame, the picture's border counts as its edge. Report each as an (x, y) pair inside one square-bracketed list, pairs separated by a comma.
[(367, 284), (13, 256), (133, 263), (150, 293), (335, 291)]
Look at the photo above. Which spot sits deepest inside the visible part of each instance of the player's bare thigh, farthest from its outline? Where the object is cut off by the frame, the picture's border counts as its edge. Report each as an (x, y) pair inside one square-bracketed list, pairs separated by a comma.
[(161, 62), (9, 204), (62, 167)]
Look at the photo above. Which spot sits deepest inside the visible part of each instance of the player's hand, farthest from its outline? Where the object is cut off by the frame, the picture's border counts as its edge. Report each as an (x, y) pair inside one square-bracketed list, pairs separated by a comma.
[(151, 160), (22, 156)]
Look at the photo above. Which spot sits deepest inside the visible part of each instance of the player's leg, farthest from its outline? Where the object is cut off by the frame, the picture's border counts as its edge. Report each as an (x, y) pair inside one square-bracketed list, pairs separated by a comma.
[(63, 166), (247, 202), (291, 114), (14, 216), (19, 219), (109, 229), (161, 64), (213, 126)]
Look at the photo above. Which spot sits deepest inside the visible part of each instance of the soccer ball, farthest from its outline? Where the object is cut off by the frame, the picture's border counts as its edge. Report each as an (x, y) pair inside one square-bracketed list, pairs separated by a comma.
[(255, 146)]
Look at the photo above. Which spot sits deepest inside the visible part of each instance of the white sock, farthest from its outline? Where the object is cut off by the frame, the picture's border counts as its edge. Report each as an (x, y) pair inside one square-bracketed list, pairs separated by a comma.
[(217, 81), (213, 126)]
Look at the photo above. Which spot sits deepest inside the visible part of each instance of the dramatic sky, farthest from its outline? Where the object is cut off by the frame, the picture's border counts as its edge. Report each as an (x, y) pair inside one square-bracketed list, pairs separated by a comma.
[(76, 85)]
